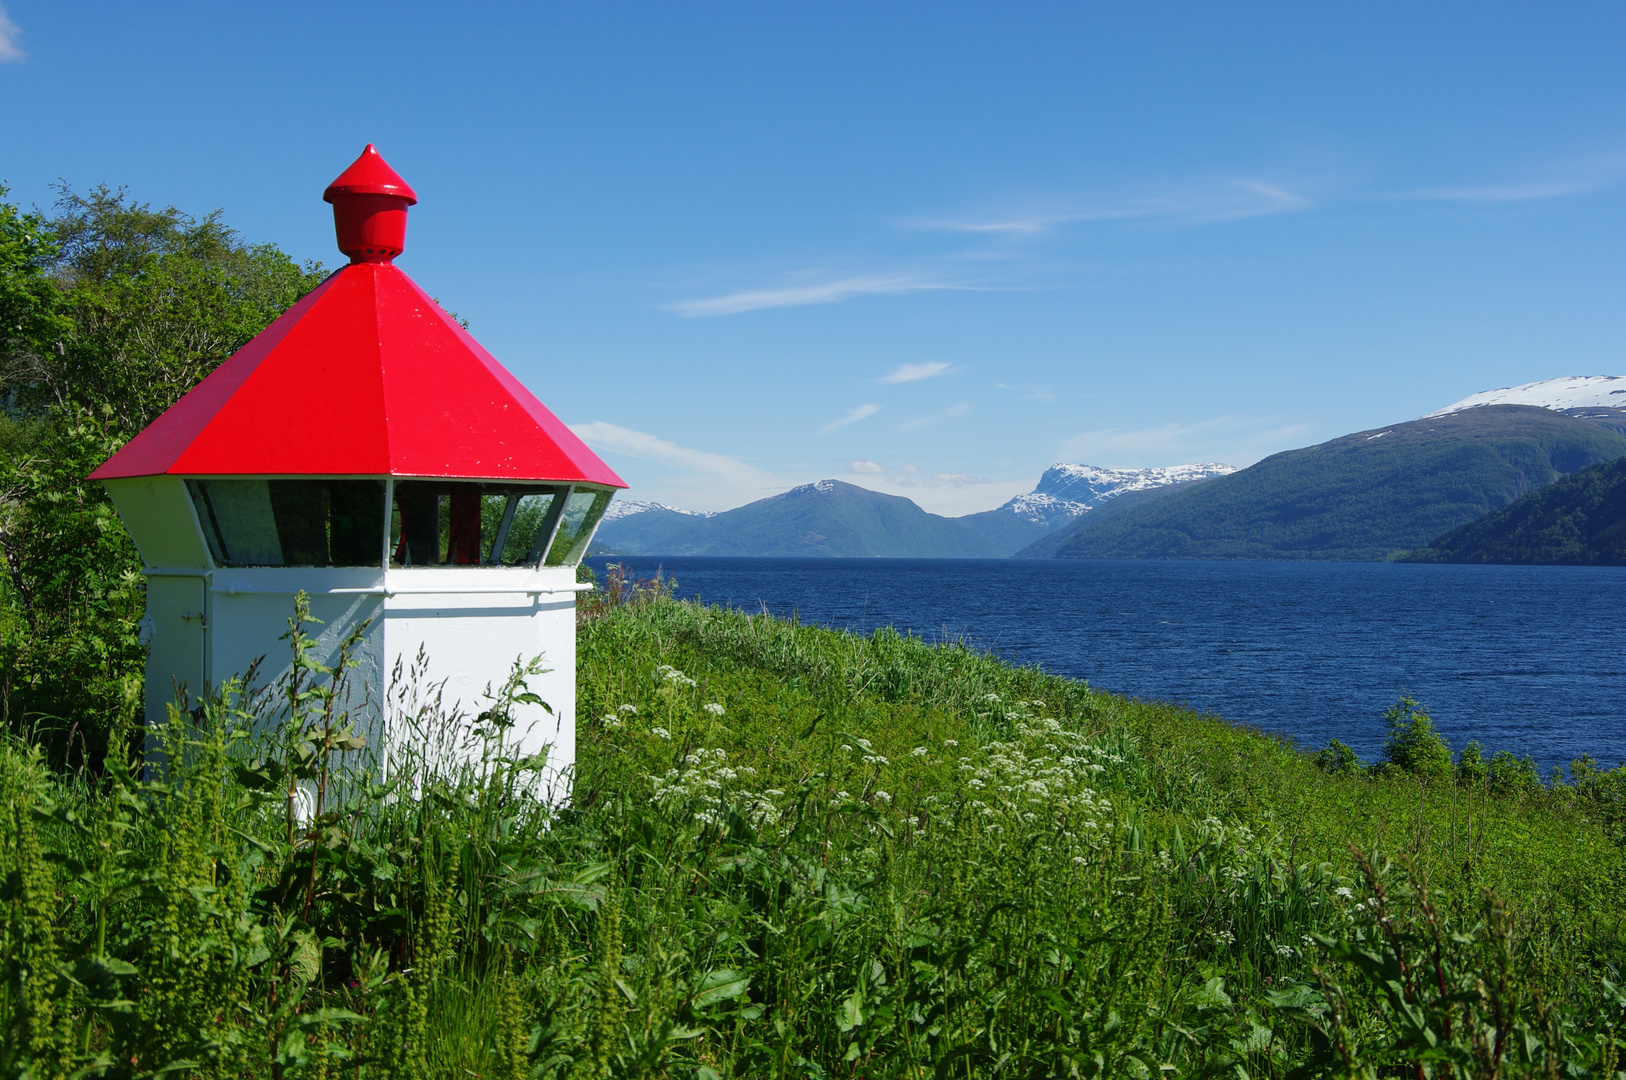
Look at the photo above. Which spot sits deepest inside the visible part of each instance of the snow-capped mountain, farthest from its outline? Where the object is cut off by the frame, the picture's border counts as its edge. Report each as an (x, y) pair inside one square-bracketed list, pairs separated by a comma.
[(1570, 392), (1066, 491), (624, 508)]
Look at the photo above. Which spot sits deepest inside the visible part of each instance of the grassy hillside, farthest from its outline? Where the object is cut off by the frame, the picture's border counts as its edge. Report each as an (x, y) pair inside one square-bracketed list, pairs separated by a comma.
[(1578, 521), (801, 853), (1370, 495), (829, 519)]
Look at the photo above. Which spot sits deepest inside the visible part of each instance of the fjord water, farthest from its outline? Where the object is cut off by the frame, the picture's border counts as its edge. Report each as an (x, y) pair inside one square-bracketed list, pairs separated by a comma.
[(1530, 659)]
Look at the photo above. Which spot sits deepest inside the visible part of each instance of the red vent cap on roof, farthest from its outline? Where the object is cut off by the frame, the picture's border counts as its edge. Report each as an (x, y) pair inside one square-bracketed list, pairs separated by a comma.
[(370, 203)]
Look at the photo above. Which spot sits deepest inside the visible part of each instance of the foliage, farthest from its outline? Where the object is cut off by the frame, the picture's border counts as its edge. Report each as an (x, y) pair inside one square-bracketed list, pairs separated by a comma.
[(1337, 759), (68, 632), (795, 852), (113, 310), (1579, 520), (29, 320), (1365, 496), (154, 300), (1413, 746)]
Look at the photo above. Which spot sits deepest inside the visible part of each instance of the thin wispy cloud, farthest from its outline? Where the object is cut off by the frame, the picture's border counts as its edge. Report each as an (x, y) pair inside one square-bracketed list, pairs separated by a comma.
[(10, 51), (641, 444), (1219, 200), (851, 418), (915, 372), (865, 468), (959, 480), (829, 292), (947, 414), (1031, 393), (1233, 440), (1500, 193)]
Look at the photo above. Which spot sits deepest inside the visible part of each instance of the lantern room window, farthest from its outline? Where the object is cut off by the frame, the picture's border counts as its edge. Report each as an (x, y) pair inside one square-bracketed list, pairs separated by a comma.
[(464, 523), (290, 522), (576, 526), (340, 522)]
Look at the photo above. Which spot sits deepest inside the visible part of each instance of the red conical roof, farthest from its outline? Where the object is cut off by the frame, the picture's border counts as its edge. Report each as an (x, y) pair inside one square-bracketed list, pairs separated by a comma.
[(370, 174), (364, 376)]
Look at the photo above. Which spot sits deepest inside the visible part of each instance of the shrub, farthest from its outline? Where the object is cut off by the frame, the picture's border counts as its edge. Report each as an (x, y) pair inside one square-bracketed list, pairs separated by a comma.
[(1510, 774), (1337, 759), (1471, 765), (1413, 745)]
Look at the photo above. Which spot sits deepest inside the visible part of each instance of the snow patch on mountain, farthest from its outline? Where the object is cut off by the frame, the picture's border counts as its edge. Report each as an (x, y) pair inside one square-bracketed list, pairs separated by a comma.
[(623, 508), (817, 487), (1570, 392), (1066, 491)]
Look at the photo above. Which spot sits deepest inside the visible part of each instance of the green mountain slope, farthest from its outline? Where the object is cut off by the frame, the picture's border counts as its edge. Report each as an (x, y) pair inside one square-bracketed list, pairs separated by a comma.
[(1370, 495), (829, 519), (649, 532), (1047, 546), (1577, 521), (1006, 532)]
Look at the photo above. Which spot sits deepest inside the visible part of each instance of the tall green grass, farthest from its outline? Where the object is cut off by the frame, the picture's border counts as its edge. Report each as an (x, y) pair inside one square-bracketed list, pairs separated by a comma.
[(797, 852)]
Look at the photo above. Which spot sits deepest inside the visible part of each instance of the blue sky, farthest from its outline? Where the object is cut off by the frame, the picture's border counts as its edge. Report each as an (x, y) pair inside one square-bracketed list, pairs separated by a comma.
[(929, 249)]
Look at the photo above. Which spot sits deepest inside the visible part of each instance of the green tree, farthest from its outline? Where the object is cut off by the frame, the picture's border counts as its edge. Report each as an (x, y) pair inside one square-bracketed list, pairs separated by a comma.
[(30, 322), (112, 310), (154, 301), (1413, 745)]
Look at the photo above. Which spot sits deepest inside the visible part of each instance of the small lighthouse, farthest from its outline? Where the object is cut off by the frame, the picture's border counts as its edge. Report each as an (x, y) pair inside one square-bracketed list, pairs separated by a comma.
[(366, 450)]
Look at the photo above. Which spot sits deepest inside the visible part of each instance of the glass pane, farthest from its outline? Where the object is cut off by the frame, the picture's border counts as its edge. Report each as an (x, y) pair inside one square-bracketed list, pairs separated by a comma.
[(415, 524), (237, 519), (356, 522), (581, 515), (291, 522), (300, 507), (529, 529), (465, 523)]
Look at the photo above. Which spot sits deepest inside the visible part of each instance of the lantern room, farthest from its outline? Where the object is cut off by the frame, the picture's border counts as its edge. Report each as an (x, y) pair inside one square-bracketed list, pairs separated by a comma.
[(366, 450)]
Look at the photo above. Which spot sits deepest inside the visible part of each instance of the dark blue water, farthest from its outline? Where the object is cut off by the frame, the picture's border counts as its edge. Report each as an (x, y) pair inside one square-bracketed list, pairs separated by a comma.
[(1526, 658)]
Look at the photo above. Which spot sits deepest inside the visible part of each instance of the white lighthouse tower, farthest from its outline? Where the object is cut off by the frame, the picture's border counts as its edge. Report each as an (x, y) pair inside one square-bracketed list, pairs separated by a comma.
[(366, 450)]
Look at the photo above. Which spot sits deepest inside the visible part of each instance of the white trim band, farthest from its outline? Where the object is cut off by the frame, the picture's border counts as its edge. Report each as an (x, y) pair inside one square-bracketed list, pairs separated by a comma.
[(384, 590)]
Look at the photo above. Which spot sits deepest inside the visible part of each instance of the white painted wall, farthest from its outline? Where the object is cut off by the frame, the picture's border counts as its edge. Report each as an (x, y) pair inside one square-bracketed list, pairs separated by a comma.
[(472, 640), (206, 624)]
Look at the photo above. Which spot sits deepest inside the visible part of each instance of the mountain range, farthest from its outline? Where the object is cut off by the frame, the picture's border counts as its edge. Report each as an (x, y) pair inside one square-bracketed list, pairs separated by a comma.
[(1370, 495), (832, 518), (827, 518)]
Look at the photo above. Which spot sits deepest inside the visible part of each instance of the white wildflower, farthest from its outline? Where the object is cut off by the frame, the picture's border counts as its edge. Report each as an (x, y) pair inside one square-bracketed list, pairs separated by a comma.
[(715, 709), (1284, 951), (1342, 892), (951, 742), (661, 733), (631, 710), (919, 751), (883, 796)]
